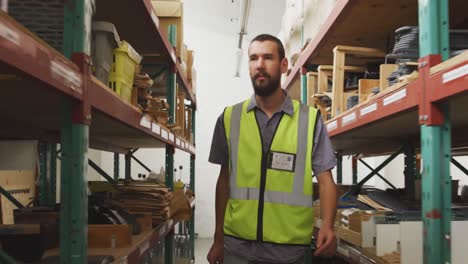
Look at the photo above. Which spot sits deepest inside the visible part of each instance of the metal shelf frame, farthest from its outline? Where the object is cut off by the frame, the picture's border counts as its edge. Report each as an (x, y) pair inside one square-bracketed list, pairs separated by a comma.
[(427, 109), (84, 113)]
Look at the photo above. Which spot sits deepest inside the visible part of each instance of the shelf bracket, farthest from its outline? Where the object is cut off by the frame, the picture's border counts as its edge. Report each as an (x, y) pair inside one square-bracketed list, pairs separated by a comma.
[(377, 173), (355, 189), (101, 172), (10, 197), (459, 166), (141, 163)]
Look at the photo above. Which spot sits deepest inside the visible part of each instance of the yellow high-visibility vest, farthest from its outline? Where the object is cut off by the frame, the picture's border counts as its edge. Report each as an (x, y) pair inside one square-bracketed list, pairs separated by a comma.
[(270, 194)]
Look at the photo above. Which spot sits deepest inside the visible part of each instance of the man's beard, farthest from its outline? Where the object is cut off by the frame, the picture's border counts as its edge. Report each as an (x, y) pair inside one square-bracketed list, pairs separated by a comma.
[(268, 86)]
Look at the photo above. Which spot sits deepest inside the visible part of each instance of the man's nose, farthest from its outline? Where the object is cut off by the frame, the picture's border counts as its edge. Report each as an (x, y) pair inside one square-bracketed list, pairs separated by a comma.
[(260, 63)]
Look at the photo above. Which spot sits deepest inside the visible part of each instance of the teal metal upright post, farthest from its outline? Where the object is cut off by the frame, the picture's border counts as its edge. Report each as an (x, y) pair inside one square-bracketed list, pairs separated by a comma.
[(171, 79), (308, 255), (171, 99), (74, 138), (339, 168), (354, 167), (435, 136), (304, 85), (192, 186), (52, 174), (44, 187), (410, 171), (116, 166), (47, 173), (128, 166)]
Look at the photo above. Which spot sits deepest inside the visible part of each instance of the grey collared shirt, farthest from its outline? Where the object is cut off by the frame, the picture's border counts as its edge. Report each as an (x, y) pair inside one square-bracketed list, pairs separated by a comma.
[(323, 159)]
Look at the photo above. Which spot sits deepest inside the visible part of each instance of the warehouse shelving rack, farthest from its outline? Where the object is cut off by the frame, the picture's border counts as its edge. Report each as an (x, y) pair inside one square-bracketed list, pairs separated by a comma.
[(426, 114), (53, 97)]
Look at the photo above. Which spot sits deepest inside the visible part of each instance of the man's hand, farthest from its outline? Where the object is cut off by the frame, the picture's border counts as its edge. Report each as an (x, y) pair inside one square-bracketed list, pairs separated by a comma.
[(216, 254), (326, 242)]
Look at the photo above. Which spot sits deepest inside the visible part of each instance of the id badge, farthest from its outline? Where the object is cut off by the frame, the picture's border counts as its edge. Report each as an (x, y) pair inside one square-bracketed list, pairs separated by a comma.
[(282, 161)]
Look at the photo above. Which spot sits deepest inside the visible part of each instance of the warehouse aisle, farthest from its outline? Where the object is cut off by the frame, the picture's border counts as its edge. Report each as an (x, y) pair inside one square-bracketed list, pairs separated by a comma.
[(202, 245)]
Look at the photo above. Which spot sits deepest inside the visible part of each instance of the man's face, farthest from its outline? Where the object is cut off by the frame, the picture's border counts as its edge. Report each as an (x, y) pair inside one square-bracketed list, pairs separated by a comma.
[(265, 67)]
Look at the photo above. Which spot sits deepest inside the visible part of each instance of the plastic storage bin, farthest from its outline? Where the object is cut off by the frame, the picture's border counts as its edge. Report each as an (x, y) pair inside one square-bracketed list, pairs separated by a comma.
[(125, 60), (104, 40)]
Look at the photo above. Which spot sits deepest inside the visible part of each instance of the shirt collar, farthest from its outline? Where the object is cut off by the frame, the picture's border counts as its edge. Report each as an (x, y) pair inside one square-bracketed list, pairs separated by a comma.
[(287, 106)]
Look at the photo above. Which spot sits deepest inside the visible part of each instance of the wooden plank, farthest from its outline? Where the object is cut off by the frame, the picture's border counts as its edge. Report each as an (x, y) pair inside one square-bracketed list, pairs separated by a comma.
[(312, 79), (450, 63), (16, 180), (361, 51), (295, 90), (180, 112), (365, 88), (348, 235), (338, 82), (109, 236), (24, 229), (385, 71), (346, 68), (322, 80)]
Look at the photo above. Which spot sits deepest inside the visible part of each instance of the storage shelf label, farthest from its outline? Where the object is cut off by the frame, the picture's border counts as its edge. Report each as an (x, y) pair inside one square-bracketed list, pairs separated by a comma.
[(145, 122), (349, 118), (173, 56), (177, 142), (332, 125), (394, 97), (155, 128), (62, 72), (164, 134), (171, 137), (9, 34), (368, 109), (144, 247), (455, 74), (155, 18)]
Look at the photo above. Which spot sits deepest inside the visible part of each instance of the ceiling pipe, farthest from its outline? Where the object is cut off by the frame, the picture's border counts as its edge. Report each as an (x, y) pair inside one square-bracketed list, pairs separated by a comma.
[(243, 21)]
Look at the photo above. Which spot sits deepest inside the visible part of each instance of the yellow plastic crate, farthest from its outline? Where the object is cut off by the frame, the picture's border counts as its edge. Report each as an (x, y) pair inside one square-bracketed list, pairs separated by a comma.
[(125, 59), (122, 86)]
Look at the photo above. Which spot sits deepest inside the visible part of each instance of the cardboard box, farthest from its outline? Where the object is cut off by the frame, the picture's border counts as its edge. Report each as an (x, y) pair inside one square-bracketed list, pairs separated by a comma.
[(193, 80), (190, 54), (171, 13), (168, 8), (385, 71), (184, 53)]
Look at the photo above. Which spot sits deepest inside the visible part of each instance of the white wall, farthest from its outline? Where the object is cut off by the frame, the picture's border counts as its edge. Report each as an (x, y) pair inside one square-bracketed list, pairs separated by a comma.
[(217, 88)]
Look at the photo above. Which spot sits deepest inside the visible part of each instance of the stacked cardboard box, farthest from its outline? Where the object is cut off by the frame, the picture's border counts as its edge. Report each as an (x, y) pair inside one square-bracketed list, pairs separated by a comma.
[(171, 13)]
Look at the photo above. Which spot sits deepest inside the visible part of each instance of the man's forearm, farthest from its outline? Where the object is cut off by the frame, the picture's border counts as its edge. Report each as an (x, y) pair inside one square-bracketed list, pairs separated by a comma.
[(328, 199), (222, 196)]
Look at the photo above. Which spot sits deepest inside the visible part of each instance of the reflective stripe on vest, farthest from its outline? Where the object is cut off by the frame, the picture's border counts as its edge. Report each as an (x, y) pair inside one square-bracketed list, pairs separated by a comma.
[(294, 198)]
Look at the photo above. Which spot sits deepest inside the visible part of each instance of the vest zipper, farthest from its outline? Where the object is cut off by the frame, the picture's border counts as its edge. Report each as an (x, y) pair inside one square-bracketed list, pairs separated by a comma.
[(261, 196)]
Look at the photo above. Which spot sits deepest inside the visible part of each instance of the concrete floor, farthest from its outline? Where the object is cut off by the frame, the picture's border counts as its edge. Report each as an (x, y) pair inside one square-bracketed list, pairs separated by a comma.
[(202, 245)]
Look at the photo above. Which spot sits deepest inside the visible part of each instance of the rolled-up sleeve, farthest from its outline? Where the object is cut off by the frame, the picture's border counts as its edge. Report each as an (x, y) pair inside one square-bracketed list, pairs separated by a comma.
[(323, 155)]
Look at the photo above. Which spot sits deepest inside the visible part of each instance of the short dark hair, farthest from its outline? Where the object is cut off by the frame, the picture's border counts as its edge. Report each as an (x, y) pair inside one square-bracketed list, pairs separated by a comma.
[(265, 37)]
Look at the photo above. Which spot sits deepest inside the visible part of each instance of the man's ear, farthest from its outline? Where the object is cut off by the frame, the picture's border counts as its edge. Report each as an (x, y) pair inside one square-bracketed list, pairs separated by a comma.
[(284, 65)]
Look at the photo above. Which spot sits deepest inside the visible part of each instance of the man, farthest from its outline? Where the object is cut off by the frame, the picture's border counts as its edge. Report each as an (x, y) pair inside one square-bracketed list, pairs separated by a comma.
[(268, 147)]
